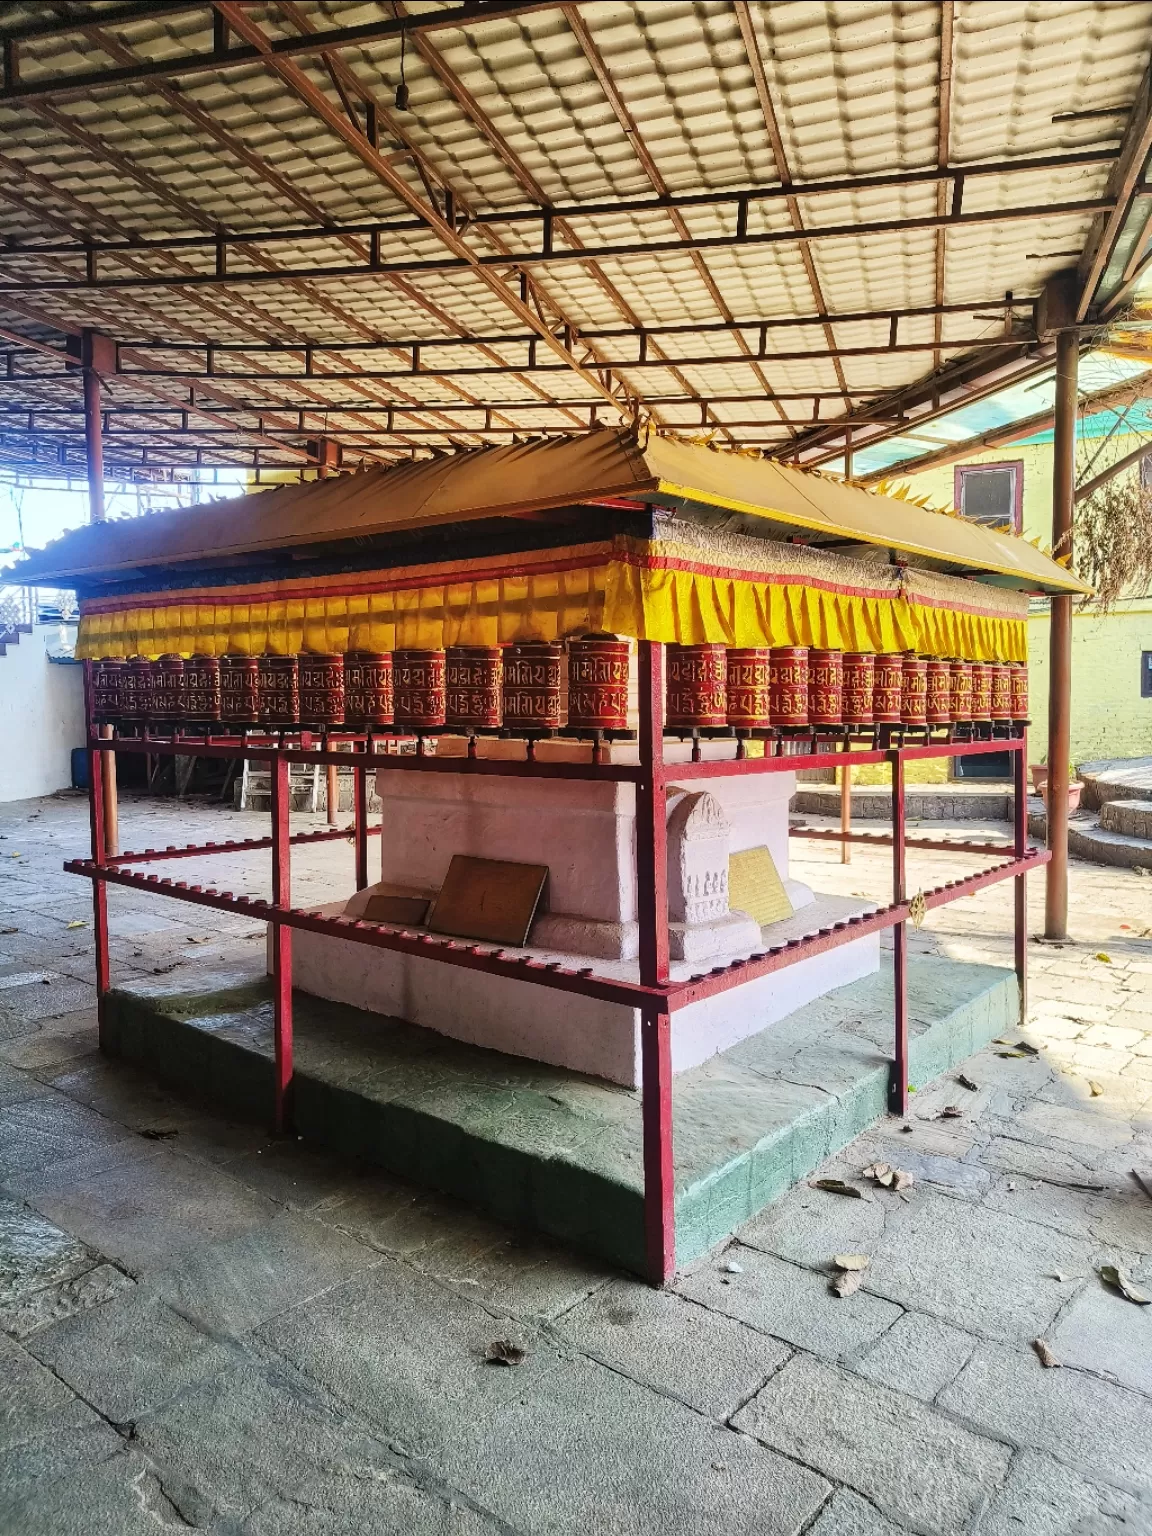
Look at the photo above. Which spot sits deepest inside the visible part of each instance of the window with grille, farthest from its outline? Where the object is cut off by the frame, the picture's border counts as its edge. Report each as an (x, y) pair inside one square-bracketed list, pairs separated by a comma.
[(1146, 675), (991, 493)]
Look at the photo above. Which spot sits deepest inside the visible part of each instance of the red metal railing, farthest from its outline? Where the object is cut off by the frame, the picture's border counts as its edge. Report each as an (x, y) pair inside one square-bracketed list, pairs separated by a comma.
[(655, 995)]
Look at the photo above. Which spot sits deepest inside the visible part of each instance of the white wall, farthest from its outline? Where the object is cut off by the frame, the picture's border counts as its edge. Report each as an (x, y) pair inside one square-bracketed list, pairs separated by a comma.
[(41, 716)]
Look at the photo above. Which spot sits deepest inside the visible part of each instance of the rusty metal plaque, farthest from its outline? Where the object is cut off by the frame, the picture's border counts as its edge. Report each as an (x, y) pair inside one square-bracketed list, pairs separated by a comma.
[(492, 899), (408, 910)]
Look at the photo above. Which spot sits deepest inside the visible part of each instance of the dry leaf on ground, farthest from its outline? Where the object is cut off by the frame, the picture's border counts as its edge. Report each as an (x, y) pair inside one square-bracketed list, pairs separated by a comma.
[(78, 923), (851, 1261), (1119, 1281), (838, 1187), (503, 1352), (1044, 1351), (966, 1082), (951, 1112), (1100, 955), (1094, 1089), (847, 1282), (889, 1177)]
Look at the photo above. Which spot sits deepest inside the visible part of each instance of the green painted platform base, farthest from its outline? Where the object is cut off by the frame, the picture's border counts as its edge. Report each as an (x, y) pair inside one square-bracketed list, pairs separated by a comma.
[(544, 1148)]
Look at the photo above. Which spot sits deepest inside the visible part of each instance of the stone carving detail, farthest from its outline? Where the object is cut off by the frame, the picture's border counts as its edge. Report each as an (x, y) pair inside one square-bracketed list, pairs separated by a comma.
[(698, 833)]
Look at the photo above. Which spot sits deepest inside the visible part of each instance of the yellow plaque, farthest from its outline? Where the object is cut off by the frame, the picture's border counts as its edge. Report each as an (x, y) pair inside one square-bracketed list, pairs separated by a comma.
[(755, 887)]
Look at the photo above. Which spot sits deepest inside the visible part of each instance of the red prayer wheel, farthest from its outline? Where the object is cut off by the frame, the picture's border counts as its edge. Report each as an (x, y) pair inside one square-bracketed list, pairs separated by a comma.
[(981, 691), (1001, 700), (279, 690), (418, 679), (1020, 691), (137, 694), (532, 686), (888, 689), (914, 697), (938, 706), (239, 690), (696, 687), (961, 692), (825, 687), (788, 685), (169, 690), (368, 688), (202, 687), (107, 690), (859, 686), (598, 683), (321, 680), (474, 676), (749, 671)]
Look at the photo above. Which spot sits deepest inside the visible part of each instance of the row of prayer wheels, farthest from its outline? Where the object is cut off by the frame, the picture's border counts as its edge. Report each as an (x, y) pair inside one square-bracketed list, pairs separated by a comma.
[(465, 688), (519, 689), (717, 687)]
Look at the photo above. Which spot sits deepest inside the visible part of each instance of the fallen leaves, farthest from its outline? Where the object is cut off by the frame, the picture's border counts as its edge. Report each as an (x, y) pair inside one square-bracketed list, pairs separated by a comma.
[(851, 1261), (887, 1176), (1101, 955), (1044, 1353), (1119, 1281), (951, 1112), (851, 1267), (838, 1187), (966, 1082), (77, 922), (504, 1352), (1094, 1089)]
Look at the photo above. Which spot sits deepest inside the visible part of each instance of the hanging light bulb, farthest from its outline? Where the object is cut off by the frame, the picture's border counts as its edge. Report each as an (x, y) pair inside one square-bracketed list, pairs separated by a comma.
[(402, 92)]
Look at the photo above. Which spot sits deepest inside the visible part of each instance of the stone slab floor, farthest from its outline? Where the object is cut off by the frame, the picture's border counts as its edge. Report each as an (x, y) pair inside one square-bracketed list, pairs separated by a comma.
[(204, 1329)]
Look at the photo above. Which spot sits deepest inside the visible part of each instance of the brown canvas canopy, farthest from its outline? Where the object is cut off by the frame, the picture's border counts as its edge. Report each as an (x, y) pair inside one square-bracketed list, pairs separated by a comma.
[(510, 481)]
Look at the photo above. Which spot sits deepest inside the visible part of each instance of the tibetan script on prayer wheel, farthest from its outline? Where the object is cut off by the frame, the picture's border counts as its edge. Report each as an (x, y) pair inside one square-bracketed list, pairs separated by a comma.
[(825, 687), (279, 690), (532, 685), (961, 692), (474, 675), (788, 685), (888, 689), (859, 686), (239, 690), (981, 691), (1019, 691), (202, 687), (418, 680), (914, 699), (108, 690), (598, 683), (749, 670), (169, 690), (321, 689), (697, 687), (138, 689), (1001, 700), (938, 706), (368, 688)]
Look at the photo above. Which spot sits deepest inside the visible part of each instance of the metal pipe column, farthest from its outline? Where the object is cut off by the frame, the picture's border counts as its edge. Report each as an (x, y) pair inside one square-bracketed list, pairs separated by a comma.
[(1060, 640), (94, 452)]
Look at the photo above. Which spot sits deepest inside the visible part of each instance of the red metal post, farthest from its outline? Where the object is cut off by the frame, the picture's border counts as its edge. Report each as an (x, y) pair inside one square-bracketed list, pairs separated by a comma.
[(281, 944), (97, 812), (360, 828), (652, 916), (898, 1087), (1020, 827)]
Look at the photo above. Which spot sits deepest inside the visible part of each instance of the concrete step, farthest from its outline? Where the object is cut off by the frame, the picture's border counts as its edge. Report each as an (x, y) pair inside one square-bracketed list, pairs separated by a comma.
[(923, 802), (1115, 778), (1132, 818), (1089, 839)]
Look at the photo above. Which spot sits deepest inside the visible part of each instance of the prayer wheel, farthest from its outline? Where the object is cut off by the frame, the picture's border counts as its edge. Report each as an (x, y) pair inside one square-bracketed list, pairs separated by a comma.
[(1001, 699), (169, 691), (368, 698), (825, 687), (697, 687), (961, 692), (107, 690), (888, 689), (981, 691), (532, 686), (418, 679), (1020, 691), (474, 675), (598, 683), (321, 689), (788, 686), (749, 670), (914, 697), (279, 691), (938, 706), (138, 690), (202, 682), (239, 690), (859, 686)]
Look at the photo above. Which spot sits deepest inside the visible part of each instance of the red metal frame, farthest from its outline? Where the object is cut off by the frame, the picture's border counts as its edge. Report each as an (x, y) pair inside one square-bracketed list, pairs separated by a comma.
[(654, 995)]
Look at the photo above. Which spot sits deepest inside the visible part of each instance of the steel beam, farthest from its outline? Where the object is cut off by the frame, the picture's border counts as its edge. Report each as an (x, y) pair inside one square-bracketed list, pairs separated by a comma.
[(1060, 639)]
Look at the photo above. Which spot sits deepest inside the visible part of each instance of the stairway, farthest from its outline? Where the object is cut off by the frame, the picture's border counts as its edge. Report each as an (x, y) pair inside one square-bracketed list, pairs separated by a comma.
[(1114, 823)]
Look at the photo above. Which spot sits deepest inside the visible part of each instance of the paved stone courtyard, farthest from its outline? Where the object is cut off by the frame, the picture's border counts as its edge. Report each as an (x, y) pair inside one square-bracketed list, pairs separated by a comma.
[(207, 1329)]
